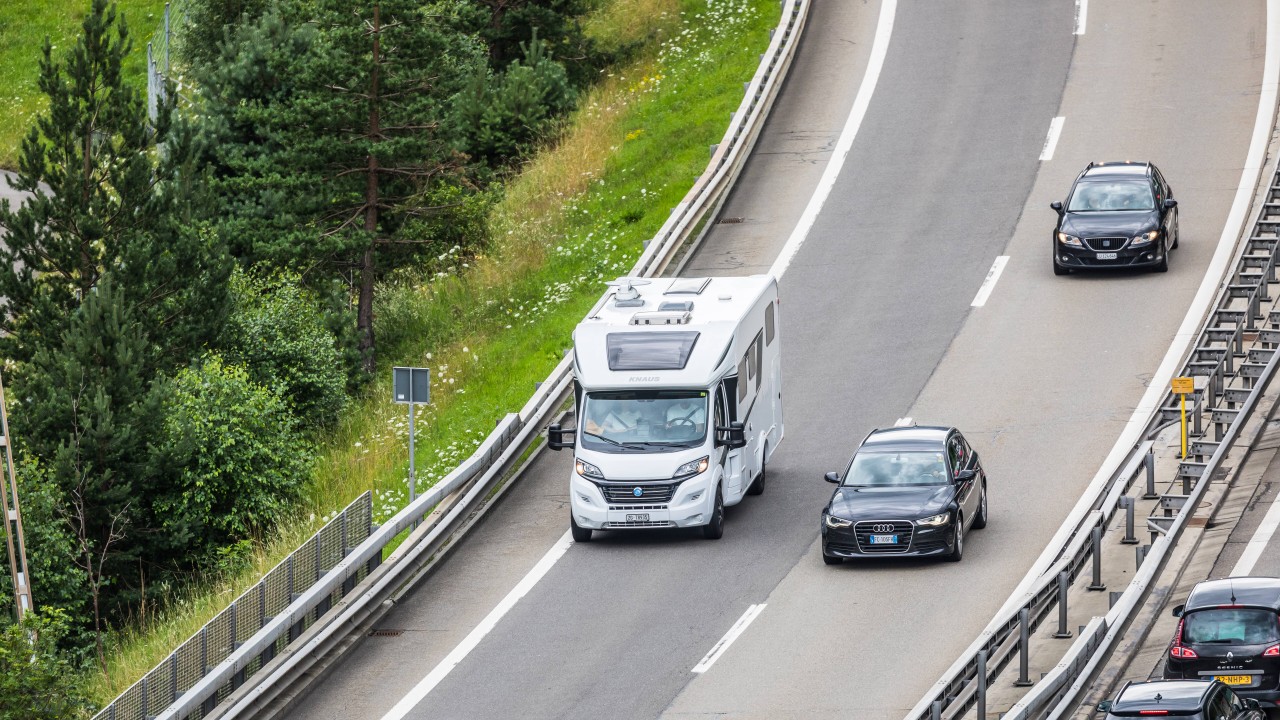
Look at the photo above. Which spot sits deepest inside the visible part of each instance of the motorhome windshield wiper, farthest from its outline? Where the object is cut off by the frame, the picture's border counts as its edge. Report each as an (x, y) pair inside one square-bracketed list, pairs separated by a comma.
[(611, 441)]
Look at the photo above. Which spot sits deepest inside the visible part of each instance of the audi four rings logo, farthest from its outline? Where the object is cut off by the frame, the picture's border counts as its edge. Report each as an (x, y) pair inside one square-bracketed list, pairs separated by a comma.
[(638, 491), (882, 527)]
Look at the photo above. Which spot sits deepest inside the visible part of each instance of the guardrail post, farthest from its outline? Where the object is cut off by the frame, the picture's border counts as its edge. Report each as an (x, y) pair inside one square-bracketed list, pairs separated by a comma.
[(1197, 407), (1097, 560), (935, 710), (1064, 584), (981, 679), (1139, 554), (1150, 462), (1128, 504), (1024, 649)]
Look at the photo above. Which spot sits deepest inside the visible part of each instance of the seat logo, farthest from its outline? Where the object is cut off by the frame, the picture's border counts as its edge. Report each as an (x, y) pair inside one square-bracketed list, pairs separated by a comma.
[(882, 528), (638, 491)]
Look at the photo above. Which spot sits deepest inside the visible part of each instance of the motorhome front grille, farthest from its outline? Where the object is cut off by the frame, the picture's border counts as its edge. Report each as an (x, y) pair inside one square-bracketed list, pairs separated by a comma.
[(637, 507), (640, 524), (640, 492), (883, 530)]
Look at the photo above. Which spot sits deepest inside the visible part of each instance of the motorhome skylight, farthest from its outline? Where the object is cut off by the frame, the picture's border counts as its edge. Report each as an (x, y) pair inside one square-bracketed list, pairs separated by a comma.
[(687, 286), (649, 350)]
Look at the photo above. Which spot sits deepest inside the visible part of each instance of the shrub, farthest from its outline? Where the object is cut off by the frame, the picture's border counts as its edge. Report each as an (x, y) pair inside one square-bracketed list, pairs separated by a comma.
[(238, 461), (37, 679)]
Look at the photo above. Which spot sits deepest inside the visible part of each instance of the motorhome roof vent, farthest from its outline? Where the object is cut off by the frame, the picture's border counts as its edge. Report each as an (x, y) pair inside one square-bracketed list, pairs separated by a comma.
[(626, 294), (676, 306), (661, 318), (687, 286)]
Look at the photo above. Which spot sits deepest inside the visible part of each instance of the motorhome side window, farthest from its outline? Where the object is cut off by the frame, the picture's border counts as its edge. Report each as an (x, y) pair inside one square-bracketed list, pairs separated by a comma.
[(768, 324), (757, 350), (742, 379)]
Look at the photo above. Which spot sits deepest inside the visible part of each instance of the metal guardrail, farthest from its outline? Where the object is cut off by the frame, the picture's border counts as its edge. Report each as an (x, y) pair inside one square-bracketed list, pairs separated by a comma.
[(250, 612), (1234, 359), (196, 695)]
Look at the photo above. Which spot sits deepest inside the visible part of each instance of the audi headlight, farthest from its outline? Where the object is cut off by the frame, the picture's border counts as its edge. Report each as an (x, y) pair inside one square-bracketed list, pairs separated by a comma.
[(586, 469), (1071, 240), (1146, 237), (837, 522), (693, 467), (935, 520)]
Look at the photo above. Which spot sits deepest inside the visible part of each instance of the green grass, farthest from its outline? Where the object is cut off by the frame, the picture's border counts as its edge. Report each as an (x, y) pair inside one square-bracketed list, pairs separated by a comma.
[(491, 326), (24, 24)]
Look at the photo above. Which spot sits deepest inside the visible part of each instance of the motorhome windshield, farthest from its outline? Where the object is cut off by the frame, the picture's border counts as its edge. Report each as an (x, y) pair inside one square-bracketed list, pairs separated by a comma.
[(644, 420)]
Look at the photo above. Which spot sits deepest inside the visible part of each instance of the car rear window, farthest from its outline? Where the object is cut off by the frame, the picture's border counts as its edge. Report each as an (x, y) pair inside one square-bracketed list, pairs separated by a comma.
[(1243, 626)]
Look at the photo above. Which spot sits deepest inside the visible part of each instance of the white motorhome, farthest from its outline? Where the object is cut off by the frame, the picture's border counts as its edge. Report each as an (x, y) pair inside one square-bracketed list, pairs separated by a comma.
[(678, 392)]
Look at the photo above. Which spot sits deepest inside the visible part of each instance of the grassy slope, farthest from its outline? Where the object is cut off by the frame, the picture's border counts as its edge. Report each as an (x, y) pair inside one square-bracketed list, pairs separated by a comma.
[(24, 24), (495, 324)]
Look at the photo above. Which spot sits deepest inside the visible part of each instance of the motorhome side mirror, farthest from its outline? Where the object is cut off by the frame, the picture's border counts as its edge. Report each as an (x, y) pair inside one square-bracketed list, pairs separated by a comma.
[(1170, 203), (555, 437), (1177, 610), (1056, 206), (734, 436), (832, 477), (966, 475)]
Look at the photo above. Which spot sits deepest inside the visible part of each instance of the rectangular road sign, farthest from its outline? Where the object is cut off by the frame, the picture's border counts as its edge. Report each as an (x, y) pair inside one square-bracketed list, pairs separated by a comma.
[(411, 385), (1183, 385)]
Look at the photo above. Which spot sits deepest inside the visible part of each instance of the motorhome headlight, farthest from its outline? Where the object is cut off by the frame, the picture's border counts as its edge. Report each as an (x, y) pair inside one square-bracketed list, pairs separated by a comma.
[(586, 469), (693, 467), (837, 522), (935, 520)]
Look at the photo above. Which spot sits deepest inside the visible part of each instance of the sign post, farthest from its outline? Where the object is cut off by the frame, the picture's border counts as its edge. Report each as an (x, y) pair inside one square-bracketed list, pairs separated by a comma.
[(1183, 386), (411, 386)]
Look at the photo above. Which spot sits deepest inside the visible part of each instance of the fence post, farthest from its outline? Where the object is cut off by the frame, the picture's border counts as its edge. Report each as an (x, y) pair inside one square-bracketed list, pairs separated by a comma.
[(1024, 649), (1127, 503), (1064, 584), (1097, 560), (981, 679), (1150, 462)]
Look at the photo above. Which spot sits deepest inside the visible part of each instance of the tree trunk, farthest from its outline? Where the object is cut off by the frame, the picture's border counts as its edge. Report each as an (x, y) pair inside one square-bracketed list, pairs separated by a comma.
[(364, 307)]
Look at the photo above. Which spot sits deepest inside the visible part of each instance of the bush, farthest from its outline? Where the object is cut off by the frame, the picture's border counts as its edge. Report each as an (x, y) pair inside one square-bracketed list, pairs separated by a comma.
[(239, 462), (37, 679), (277, 331), (209, 22)]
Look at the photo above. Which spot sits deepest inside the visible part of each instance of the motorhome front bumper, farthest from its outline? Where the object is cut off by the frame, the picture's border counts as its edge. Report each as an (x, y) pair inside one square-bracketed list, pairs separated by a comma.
[(640, 504)]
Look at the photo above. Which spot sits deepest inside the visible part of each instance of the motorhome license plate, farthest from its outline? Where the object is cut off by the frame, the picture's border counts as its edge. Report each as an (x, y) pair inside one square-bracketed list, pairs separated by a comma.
[(884, 539), (638, 517), (1234, 679), (1106, 256)]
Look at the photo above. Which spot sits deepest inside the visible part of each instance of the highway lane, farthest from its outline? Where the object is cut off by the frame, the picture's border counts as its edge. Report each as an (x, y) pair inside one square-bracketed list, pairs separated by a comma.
[(945, 170)]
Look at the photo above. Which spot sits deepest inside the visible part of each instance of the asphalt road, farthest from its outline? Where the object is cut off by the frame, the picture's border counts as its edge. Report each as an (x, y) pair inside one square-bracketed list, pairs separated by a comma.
[(944, 176)]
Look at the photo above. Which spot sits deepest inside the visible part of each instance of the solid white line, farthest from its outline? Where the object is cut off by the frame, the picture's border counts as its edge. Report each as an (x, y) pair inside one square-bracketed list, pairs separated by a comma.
[(989, 284), (1082, 14), (1258, 543), (470, 642), (1051, 142), (718, 649), (879, 48)]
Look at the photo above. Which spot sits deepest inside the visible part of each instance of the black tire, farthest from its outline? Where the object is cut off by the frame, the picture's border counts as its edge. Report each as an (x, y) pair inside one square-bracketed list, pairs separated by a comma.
[(1059, 270), (757, 487), (714, 530), (980, 521), (957, 553), (580, 534), (1163, 265), (832, 560), (1176, 237)]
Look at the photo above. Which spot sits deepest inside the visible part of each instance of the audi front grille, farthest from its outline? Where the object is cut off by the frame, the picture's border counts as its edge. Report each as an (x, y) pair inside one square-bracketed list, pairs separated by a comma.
[(902, 528)]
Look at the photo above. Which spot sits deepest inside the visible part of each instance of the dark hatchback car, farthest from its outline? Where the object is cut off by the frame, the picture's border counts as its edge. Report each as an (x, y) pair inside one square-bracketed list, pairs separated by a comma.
[(908, 491), (1187, 699), (1230, 630), (1118, 215)]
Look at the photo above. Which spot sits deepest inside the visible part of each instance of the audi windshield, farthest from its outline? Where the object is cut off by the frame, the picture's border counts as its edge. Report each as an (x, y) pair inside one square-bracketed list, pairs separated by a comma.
[(897, 469)]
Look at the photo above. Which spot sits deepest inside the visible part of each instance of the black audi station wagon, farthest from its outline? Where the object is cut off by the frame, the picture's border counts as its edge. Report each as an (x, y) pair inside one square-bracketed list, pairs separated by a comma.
[(1117, 215), (1230, 630), (908, 491), (1183, 699)]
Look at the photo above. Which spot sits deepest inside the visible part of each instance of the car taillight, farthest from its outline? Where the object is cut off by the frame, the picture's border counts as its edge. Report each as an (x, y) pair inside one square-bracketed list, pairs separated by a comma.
[(1179, 650), (1273, 651)]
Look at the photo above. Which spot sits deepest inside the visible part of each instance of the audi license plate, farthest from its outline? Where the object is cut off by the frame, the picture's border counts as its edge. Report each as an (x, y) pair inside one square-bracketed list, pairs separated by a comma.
[(638, 517), (884, 539), (1106, 256), (1234, 679)]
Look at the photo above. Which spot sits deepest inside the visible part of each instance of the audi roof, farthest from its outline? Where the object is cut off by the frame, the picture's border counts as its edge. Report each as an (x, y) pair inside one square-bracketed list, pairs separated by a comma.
[(902, 438), (1184, 695), (1261, 592)]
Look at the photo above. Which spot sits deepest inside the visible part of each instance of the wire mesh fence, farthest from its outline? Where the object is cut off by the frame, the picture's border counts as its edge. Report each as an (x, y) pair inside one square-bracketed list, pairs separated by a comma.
[(160, 67), (247, 614)]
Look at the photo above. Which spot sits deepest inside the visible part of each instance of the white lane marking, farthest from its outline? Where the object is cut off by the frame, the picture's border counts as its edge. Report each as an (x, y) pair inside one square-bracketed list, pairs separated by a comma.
[(989, 284), (1258, 543), (469, 643), (879, 48), (1051, 141), (1082, 14), (718, 649)]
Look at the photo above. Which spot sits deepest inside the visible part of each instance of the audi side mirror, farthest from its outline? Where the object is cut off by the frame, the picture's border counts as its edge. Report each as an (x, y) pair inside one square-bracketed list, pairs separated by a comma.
[(1252, 703), (1177, 610), (1056, 206), (832, 477), (556, 435), (1104, 706), (1170, 203)]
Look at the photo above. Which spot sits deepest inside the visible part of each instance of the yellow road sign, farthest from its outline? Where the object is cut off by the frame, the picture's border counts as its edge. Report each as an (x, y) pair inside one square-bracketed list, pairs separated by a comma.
[(1183, 385)]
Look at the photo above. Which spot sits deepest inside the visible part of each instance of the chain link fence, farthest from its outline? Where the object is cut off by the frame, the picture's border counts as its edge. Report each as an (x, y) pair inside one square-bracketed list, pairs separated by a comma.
[(160, 56), (248, 613)]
